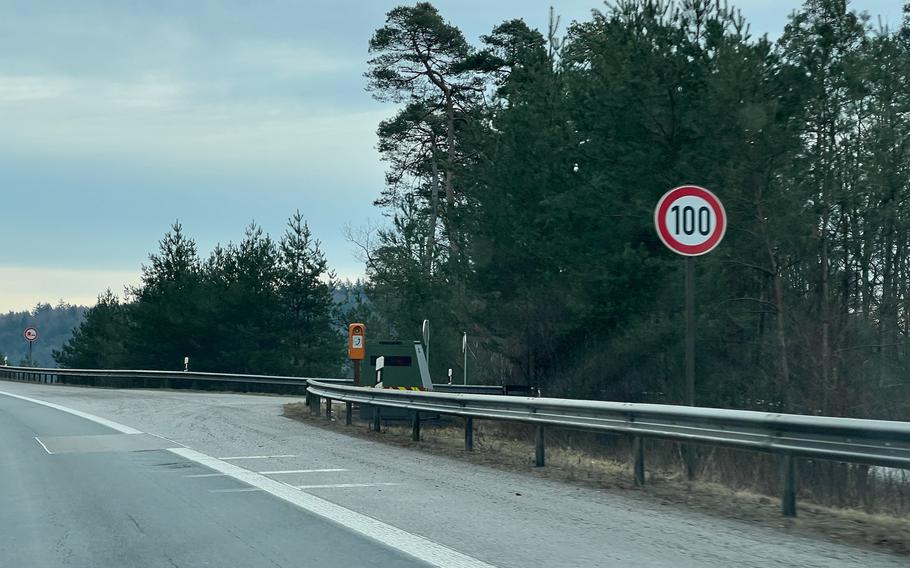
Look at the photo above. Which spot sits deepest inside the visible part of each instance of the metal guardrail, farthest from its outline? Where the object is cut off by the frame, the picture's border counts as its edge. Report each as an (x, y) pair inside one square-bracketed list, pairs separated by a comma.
[(144, 378), (874, 442)]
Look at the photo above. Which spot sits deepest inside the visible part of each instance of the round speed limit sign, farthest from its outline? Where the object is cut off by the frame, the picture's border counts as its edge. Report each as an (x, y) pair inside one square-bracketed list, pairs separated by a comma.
[(690, 220)]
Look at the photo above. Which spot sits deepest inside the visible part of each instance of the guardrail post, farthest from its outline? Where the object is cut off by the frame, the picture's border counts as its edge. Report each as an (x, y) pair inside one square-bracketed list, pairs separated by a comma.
[(348, 413), (314, 407), (328, 408), (689, 458), (415, 426), (539, 447), (638, 459), (469, 434), (788, 499), (377, 418)]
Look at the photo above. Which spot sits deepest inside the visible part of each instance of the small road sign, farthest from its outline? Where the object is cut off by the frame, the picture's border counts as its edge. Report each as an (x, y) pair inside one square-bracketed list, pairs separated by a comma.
[(30, 334), (356, 349), (690, 220)]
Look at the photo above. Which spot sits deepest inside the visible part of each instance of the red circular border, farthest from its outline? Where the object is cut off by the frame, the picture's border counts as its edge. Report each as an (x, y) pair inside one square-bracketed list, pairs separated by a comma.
[(26, 331), (660, 215)]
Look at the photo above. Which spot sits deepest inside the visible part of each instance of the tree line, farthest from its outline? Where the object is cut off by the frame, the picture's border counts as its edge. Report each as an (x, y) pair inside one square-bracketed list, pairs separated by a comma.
[(260, 306), (522, 173)]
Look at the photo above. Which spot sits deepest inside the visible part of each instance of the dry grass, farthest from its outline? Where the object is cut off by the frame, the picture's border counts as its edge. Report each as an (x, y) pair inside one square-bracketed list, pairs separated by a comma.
[(600, 462)]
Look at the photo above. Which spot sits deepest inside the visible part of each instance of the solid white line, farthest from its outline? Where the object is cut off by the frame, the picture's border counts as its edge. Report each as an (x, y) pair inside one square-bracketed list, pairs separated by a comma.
[(258, 457), (97, 419), (240, 490), (301, 471), (414, 545), (344, 485), (43, 446)]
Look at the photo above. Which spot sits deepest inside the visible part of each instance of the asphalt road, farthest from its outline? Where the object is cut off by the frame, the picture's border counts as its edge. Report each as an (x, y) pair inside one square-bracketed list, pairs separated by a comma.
[(98, 502), (270, 491)]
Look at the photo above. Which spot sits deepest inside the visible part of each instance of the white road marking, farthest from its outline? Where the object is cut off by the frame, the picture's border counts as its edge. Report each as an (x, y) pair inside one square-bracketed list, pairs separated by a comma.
[(258, 457), (344, 485), (97, 419), (301, 471), (206, 475), (43, 446), (239, 490), (414, 545)]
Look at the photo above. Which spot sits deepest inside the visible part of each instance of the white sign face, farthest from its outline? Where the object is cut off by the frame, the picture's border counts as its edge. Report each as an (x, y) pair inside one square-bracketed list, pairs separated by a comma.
[(690, 220), (357, 341), (30, 334)]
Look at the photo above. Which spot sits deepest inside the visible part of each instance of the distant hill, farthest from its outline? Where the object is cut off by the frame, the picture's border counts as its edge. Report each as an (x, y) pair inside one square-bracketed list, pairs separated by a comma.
[(54, 323)]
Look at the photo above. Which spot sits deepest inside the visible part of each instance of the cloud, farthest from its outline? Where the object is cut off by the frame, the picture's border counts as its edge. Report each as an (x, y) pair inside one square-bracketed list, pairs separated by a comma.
[(22, 288), (283, 59), (25, 88)]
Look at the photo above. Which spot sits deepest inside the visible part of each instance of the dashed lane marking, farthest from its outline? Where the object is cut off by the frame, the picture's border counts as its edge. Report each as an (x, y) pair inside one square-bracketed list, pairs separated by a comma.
[(344, 485), (258, 457), (205, 475), (284, 471), (43, 446)]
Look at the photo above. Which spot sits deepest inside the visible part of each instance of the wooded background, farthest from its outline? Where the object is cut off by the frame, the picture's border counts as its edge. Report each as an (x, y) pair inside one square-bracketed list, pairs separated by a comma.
[(522, 173)]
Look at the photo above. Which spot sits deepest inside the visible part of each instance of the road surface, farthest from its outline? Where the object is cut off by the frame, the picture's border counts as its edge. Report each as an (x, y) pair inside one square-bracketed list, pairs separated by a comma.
[(173, 478)]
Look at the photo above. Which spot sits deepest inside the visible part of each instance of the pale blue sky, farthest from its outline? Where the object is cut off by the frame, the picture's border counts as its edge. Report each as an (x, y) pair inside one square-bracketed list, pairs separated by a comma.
[(117, 117)]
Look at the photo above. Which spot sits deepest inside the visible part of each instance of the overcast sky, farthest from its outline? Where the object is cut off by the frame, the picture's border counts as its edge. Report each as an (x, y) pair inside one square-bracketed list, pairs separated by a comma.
[(118, 117)]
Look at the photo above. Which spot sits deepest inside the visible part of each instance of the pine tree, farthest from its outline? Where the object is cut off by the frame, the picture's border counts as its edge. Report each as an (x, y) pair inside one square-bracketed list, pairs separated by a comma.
[(308, 322)]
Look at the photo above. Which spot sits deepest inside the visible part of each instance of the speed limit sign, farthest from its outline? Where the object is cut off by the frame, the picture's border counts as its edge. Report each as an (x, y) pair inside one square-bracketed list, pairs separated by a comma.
[(690, 220)]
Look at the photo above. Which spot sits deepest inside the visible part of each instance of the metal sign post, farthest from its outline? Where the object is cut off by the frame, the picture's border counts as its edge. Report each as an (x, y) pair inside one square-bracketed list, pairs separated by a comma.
[(690, 221), (690, 330), (464, 347), (425, 332), (31, 335)]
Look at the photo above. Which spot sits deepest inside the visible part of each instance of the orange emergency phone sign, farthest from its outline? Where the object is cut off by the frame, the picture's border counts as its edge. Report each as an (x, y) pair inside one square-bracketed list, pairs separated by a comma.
[(356, 349)]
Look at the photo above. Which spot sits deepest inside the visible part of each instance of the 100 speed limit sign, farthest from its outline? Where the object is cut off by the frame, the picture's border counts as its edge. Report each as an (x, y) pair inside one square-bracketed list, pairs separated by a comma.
[(690, 220)]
